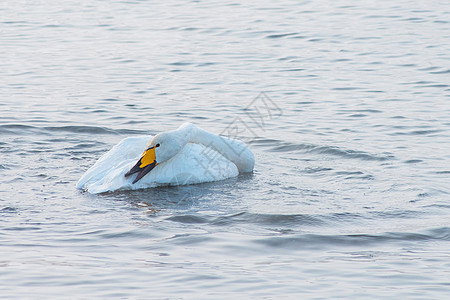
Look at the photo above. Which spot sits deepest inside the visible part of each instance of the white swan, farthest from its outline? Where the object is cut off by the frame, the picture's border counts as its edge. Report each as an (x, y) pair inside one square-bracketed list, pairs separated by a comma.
[(186, 155)]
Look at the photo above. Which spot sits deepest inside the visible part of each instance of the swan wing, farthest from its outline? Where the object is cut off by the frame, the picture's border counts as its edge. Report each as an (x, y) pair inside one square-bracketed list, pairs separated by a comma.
[(128, 149)]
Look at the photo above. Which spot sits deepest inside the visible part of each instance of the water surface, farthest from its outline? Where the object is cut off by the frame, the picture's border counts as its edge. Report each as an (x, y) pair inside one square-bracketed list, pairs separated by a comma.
[(350, 194)]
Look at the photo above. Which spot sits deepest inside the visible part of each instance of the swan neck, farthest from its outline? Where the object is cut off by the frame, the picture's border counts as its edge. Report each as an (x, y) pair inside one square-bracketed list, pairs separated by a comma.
[(234, 150), (200, 136)]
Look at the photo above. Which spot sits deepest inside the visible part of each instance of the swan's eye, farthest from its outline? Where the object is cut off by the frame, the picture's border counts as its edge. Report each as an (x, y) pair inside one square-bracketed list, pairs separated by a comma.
[(157, 145)]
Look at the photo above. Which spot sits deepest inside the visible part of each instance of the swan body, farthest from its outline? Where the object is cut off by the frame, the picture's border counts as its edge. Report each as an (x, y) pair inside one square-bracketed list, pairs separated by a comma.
[(187, 155)]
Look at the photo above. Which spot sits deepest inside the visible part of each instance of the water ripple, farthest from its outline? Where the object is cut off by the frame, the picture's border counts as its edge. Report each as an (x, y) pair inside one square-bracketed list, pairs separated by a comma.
[(250, 218), (330, 150), (19, 129), (318, 241)]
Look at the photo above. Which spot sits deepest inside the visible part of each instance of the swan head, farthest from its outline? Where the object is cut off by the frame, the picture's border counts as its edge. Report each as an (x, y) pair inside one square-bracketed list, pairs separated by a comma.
[(159, 149)]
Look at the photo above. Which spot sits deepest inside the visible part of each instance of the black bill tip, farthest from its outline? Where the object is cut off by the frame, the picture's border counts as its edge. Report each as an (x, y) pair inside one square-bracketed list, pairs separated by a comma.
[(134, 169), (142, 172)]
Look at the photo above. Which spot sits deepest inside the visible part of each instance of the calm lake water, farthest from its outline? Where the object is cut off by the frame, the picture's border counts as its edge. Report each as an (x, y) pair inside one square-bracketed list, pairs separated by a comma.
[(350, 196)]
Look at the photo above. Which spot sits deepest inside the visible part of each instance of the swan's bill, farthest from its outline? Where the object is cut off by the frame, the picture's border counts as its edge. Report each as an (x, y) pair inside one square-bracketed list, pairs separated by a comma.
[(144, 165)]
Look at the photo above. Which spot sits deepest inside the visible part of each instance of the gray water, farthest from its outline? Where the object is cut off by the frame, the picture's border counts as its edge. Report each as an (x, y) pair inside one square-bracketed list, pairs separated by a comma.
[(350, 193)]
